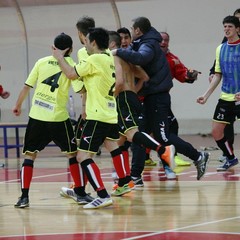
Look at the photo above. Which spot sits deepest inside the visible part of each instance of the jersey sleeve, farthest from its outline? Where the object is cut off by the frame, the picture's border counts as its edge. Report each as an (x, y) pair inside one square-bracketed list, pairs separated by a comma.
[(85, 67), (33, 76), (217, 65)]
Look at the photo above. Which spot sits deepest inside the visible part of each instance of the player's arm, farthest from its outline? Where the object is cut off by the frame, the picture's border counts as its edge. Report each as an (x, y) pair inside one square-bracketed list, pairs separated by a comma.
[(22, 96), (212, 86), (141, 76), (84, 99)]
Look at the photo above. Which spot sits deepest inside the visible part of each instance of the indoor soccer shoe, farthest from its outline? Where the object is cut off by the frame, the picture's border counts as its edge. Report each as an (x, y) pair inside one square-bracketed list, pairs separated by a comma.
[(22, 203), (168, 156), (99, 203), (138, 182), (180, 162), (68, 193), (119, 191), (130, 184), (201, 165), (170, 174), (84, 199), (150, 162), (228, 164)]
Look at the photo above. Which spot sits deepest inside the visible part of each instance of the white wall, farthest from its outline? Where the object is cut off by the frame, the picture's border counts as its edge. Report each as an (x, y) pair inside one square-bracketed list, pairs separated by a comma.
[(195, 28)]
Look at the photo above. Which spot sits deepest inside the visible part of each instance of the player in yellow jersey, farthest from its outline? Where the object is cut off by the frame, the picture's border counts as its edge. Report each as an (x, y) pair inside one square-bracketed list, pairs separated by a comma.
[(48, 117), (98, 75)]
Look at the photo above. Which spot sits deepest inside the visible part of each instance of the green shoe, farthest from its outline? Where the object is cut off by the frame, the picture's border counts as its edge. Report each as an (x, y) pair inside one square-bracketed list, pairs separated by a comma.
[(119, 191), (180, 162), (150, 162)]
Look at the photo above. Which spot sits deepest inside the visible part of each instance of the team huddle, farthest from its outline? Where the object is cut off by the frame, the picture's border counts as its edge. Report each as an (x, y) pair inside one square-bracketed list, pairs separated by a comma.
[(124, 80)]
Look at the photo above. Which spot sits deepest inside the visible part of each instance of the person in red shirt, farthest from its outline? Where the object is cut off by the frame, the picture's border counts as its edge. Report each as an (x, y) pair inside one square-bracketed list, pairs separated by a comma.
[(178, 70), (3, 94)]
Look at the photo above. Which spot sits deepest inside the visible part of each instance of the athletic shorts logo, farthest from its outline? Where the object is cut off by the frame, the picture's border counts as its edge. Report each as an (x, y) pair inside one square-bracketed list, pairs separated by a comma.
[(87, 139), (128, 118), (162, 125)]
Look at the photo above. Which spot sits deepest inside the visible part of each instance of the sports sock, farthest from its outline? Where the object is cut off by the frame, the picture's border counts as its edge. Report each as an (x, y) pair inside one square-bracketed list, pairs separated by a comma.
[(126, 160), (76, 172), (226, 147), (26, 176), (94, 177)]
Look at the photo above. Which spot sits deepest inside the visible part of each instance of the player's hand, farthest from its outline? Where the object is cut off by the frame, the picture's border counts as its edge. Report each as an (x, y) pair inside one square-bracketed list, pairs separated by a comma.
[(192, 75), (201, 100), (17, 111), (57, 53), (237, 96), (5, 95)]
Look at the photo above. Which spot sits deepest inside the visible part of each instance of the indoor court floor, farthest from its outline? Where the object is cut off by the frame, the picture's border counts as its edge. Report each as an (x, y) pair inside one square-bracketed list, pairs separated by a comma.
[(181, 209)]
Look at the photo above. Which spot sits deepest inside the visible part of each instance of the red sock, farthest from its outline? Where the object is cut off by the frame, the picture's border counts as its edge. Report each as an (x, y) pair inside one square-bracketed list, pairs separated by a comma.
[(26, 176), (93, 174), (126, 162), (77, 175), (119, 164)]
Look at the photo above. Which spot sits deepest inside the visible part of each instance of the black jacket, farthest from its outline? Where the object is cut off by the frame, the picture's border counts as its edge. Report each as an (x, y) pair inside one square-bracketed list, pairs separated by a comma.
[(146, 52)]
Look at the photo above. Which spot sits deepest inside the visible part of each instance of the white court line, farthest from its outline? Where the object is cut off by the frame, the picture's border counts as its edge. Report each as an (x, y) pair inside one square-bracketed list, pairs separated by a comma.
[(182, 228), (45, 176)]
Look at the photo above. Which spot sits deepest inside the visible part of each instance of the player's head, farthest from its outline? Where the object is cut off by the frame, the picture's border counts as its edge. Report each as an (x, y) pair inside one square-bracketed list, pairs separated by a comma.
[(165, 41), (237, 13), (232, 20), (83, 25), (63, 41), (140, 26), (97, 40), (114, 40), (125, 37)]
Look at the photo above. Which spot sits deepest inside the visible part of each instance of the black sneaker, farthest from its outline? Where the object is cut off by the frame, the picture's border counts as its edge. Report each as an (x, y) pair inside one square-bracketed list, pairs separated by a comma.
[(138, 182), (201, 165), (84, 200), (22, 203)]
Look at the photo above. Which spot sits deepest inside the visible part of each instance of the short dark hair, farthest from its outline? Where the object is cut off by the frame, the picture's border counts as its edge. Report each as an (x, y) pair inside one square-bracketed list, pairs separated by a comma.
[(236, 11), (100, 36), (63, 41), (124, 30), (115, 36), (84, 23), (142, 23), (232, 19)]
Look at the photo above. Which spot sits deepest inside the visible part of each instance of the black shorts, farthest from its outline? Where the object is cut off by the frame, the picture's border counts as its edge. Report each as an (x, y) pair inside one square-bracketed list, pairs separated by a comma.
[(79, 127), (226, 112), (94, 134), (39, 134), (129, 111)]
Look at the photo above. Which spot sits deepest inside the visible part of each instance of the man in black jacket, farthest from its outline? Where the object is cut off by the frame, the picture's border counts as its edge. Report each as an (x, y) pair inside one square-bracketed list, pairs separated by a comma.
[(146, 52)]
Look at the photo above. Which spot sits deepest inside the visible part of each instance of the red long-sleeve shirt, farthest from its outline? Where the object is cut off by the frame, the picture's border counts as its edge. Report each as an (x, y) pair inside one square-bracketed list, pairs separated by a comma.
[(178, 69), (1, 90)]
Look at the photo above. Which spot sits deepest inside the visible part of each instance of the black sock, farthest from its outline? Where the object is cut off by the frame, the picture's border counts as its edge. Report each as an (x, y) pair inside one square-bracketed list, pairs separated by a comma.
[(226, 147)]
